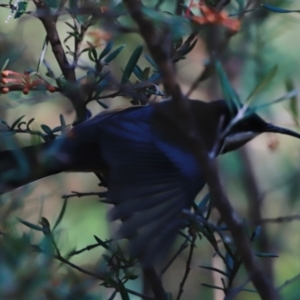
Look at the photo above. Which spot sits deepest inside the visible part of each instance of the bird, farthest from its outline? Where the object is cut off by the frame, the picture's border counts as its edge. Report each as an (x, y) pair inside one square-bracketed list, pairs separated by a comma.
[(146, 160)]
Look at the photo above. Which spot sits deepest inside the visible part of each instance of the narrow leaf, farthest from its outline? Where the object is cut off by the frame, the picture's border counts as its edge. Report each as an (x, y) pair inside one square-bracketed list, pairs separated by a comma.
[(131, 64), (151, 61), (15, 123), (61, 214), (46, 129), (101, 243), (106, 50), (203, 203), (113, 295), (255, 233), (293, 103), (42, 56), (279, 9), (103, 105), (113, 54), (189, 49), (122, 290), (71, 26), (287, 96), (30, 225), (52, 3), (212, 286), (22, 7), (229, 93), (62, 123), (260, 254), (138, 72), (92, 53), (215, 270), (261, 85), (146, 73)]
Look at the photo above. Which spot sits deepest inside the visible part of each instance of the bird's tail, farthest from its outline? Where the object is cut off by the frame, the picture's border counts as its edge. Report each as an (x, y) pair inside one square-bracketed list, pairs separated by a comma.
[(21, 166)]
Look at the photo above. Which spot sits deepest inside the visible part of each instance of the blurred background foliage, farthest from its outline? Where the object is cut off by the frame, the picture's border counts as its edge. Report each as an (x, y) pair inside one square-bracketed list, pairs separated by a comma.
[(270, 162)]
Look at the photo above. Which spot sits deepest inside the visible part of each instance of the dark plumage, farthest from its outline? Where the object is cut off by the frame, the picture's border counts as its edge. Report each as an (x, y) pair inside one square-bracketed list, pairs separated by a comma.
[(146, 160)]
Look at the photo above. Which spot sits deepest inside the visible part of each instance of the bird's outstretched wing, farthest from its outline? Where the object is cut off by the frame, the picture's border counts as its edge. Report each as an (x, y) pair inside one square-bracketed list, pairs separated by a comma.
[(150, 182)]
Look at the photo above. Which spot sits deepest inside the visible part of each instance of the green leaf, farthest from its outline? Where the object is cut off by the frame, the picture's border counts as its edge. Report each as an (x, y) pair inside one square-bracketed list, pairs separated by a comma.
[(52, 3), (46, 226), (241, 4), (71, 26), (138, 72), (107, 49), (122, 290), (255, 233), (261, 85), (101, 243), (249, 290), (278, 9), (203, 203), (56, 129), (229, 93), (113, 54), (212, 286), (214, 269), (229, 262), (62, 123), (43, 53), (146, 73), (22, 7), (103, 105), (92, 53), (260, 254), (30, 225), (287, 96), (101, 86), (131, 64), (151, 61), (61, 214), (188, 49), (155, 77), (293, 103), (113, 295), (15, 123), (46, 129)]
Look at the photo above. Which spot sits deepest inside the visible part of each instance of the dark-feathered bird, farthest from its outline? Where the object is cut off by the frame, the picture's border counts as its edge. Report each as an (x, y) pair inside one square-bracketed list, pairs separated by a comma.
[(150, 170)]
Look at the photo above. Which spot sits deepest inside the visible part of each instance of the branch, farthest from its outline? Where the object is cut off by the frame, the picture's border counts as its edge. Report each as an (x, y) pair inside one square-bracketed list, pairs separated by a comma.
[(157, 42), (279, 219), (155, 283), (188, 266), (183, 246), (79, 194), (73, 91), (94, 275)]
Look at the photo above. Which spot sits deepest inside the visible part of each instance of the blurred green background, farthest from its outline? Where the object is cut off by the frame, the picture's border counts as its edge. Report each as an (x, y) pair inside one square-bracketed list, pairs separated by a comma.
[(265, 40)]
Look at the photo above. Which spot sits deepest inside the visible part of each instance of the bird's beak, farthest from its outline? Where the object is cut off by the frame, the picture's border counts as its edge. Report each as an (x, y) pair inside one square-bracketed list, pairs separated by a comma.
[(273, 128)]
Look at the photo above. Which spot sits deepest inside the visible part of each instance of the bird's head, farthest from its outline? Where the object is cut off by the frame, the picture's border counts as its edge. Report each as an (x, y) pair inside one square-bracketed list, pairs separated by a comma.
[(218, 126), (235, 132)]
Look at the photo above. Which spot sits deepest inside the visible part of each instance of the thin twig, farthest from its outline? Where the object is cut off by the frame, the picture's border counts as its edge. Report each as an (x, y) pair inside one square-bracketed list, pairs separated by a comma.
[(78, 194), (49, 22), (289, 281), (158, 42), (188, 267), (94, 275), (279, 219), (155, 283), (87, 248), (183, 246)]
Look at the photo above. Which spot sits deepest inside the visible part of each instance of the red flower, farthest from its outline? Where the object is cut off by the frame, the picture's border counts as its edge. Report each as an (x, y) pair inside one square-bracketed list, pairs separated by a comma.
[(24, 80), (211, 16)]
